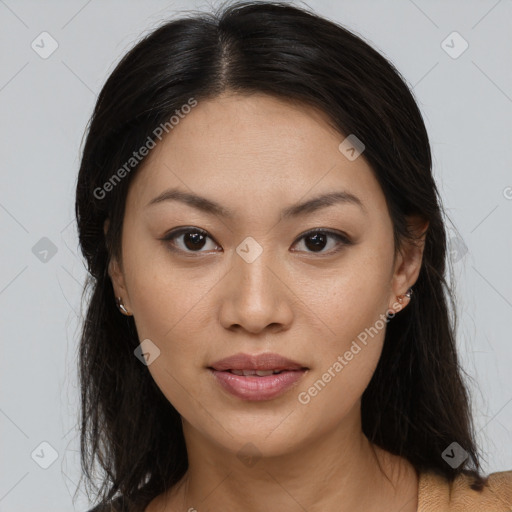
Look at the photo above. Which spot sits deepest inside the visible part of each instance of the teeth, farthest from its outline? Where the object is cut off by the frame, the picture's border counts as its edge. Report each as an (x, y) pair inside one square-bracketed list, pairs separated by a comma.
[(260, 373), (237, 372)]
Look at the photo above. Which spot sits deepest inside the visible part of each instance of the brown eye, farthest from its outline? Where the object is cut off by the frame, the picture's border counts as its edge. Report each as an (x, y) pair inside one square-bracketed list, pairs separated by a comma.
[(194, 240), (189, 240), (316, 241)]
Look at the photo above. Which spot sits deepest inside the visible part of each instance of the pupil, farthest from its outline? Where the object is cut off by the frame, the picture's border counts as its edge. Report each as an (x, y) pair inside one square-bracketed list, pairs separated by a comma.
[(319, 241), (194, 239)]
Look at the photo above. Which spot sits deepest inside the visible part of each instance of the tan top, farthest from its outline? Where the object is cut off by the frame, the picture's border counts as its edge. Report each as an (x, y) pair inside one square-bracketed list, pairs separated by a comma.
[(435, 494)]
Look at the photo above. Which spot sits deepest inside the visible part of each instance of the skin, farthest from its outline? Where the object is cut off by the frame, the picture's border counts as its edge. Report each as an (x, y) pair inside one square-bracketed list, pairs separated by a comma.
[(256, 155)]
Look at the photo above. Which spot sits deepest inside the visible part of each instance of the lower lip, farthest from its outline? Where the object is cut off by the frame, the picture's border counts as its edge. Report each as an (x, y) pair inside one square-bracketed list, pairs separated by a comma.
[(258, 388)]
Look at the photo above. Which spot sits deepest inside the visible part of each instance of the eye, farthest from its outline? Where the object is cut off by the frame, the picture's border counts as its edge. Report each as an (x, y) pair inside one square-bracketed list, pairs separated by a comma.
[(316, 240), (188, 239)]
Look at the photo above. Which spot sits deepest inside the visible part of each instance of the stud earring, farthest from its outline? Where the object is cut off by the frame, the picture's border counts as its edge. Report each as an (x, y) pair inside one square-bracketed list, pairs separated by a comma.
[(408, 294), (121, 307)]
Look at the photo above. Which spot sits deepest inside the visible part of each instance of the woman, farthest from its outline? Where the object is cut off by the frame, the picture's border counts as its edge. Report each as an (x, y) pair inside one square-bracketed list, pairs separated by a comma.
[(268, 323)]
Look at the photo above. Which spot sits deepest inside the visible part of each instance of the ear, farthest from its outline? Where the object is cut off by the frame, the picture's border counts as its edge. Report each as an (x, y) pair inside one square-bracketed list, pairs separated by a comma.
[(116, 274), (408, 260)]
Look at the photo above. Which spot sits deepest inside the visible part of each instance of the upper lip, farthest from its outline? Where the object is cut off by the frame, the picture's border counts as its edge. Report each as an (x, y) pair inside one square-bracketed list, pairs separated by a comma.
[(265, 361)]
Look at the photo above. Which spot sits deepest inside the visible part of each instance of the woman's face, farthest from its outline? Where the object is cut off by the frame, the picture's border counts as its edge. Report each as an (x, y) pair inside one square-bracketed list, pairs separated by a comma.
[(254, 284)]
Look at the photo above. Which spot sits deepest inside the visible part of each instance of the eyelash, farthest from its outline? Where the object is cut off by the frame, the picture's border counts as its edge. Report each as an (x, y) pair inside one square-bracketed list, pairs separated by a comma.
[(343, 239)]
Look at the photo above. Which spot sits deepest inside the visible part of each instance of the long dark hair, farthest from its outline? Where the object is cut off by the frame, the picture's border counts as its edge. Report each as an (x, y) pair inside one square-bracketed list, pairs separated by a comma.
[(417, 403)]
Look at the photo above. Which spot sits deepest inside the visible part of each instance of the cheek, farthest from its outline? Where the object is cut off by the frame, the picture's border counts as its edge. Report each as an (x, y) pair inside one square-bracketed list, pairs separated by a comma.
[(348, 299), (351, 304), (169, 313), (172, 311), (343, 370), (165, 295)]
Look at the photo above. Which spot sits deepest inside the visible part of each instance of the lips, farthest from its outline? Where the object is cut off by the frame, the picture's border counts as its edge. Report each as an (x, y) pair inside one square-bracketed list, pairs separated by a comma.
[(258, 377), (258, 373), (255, 364)]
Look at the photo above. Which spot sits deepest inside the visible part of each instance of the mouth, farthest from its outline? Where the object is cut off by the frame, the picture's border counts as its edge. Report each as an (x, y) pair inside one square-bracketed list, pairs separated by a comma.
[(259, 363), (257, 378), (253, 385), (258, 373)]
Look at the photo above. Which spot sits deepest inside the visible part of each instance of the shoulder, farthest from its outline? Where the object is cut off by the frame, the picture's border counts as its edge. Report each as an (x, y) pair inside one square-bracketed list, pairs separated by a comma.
[(435, 493)]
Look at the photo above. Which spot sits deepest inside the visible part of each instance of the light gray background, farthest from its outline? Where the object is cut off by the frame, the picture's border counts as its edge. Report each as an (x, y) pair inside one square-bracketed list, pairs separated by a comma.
[(45, 105)]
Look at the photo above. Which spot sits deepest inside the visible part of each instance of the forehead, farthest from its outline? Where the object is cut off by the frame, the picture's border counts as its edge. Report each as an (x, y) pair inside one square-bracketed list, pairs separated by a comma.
[(236, 148)]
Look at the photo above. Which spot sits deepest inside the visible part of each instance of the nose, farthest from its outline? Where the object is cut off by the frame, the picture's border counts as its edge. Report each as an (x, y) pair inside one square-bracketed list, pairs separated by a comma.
[(255, 297)]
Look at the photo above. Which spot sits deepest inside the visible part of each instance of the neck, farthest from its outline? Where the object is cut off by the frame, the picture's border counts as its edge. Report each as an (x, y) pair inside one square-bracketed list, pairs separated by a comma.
[(339, 471)]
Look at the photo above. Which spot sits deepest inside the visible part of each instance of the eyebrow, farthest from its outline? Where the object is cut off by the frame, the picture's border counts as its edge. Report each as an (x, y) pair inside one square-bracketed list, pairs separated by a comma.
[(295, 210)]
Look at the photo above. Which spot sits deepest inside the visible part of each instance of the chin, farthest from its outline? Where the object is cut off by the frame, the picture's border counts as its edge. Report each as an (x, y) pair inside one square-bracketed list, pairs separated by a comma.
[(260, 437)]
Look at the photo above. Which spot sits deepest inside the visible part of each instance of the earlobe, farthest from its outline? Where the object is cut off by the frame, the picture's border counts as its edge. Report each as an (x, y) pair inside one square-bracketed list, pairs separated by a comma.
[(120, 291), (409, 261), (113, 266), (113, 270), (116, 276), (121, 307)]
